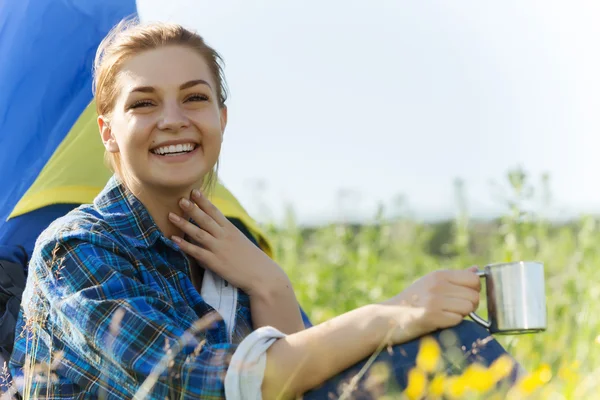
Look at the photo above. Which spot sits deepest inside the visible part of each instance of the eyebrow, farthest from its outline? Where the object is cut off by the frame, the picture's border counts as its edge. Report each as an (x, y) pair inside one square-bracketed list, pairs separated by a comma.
[(187, 85)]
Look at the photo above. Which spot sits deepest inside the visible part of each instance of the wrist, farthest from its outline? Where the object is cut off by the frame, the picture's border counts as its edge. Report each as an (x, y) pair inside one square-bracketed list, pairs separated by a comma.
[(271, 286), (382, 325), (396, 324)]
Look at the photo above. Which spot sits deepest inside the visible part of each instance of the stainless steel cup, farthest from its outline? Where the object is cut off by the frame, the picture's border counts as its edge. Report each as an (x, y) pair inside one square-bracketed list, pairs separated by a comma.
[(516, 298)]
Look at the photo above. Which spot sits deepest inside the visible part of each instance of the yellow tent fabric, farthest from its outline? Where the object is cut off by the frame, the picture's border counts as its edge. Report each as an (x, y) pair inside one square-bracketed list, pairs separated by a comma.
[(76, 174)]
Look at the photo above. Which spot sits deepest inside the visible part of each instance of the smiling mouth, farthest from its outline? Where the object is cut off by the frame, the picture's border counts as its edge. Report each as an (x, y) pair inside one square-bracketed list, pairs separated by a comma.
[(174, 149)]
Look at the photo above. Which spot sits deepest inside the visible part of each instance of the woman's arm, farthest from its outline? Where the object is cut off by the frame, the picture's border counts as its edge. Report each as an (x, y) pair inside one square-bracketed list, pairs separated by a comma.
[(306, 359)]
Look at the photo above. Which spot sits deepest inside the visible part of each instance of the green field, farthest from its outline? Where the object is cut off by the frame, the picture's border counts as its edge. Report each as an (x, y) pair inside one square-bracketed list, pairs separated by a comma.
[(339, 267)]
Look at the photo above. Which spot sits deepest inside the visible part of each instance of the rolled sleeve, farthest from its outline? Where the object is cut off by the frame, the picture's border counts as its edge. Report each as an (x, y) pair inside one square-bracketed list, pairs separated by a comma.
[(247, 367)]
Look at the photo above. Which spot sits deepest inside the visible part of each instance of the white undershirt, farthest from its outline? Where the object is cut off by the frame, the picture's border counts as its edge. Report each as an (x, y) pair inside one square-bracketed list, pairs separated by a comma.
[(246, 370)]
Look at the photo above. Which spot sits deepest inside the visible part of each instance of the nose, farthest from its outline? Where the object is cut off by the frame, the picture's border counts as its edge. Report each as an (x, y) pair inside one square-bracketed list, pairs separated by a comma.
[(173, 118)]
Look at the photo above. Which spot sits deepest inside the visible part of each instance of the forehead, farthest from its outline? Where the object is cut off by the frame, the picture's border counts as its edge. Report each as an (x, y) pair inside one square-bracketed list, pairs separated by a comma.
[(163, 68)]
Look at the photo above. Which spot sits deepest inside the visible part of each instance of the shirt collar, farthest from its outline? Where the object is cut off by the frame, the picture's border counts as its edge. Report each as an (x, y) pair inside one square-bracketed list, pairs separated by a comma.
[(126, 213)]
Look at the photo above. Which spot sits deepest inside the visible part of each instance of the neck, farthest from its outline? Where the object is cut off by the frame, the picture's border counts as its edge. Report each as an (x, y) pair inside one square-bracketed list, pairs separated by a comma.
[(159, 202)]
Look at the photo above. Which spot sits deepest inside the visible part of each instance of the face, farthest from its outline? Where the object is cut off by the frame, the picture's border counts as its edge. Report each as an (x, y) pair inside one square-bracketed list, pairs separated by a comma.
[(166, 124)]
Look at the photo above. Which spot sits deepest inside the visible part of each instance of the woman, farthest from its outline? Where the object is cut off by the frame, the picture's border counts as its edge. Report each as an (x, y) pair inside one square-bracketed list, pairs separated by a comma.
[(151, 292)]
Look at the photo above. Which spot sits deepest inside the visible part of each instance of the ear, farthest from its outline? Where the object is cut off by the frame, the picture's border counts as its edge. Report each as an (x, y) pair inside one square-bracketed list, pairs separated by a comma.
[(223, 120), (110, 143)]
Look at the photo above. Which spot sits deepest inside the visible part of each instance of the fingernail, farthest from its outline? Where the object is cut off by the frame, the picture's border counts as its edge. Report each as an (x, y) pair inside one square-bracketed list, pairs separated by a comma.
[(176, 239), (196, 193), (185, 203), (173, 217)]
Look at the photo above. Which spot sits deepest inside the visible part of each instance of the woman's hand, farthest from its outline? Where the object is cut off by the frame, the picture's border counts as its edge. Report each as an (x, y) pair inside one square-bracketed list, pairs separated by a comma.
[(219, 246), (438, 300)]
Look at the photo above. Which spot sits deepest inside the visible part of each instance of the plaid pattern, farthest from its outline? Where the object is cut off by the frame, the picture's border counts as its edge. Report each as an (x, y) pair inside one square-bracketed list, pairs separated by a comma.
[(108, 299)]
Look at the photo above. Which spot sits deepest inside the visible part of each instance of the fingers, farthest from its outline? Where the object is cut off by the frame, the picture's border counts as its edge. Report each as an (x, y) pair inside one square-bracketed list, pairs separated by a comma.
[(202, 219), (458, 306), (464, 293), (198, 235), (467, 278), (449, 319), (209, 208), (201, 254)]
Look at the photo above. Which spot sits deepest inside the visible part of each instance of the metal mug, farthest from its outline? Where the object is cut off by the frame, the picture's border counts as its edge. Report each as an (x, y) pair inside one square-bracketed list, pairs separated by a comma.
[(516, 298)]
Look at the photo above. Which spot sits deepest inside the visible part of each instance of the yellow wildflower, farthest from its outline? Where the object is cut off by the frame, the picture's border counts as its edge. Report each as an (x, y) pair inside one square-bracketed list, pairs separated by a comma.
[(429, 354), (417, 380), (544, 373), (455, 387), (567, 374), (533, 381), (501, 367), (478, 378), (436, 388), (529, 384)]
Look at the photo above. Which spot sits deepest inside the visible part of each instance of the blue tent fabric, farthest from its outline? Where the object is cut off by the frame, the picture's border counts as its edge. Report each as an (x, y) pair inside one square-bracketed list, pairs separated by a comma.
[(13, 253), (24, 230), (47, 48)]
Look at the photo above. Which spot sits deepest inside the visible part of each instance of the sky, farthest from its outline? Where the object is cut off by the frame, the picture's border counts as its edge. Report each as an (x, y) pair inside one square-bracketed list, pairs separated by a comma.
[(338, 106)]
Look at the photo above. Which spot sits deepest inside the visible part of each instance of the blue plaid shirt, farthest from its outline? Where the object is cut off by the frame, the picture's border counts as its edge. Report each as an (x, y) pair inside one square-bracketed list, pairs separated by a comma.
[(109, 302)]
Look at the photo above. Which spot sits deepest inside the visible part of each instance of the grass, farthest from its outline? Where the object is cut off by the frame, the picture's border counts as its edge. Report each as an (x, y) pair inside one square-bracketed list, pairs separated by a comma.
[(339, 267)]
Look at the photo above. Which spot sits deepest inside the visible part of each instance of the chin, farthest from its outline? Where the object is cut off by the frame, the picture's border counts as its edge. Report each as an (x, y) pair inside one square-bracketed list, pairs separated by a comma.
[(180, 183)]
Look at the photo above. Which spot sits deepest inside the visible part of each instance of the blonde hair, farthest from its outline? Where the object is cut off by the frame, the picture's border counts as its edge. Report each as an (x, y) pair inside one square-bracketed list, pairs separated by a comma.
[(129, 38)]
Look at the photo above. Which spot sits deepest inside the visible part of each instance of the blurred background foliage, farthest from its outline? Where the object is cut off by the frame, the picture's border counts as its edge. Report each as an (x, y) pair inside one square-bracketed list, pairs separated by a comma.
[(341, 266)]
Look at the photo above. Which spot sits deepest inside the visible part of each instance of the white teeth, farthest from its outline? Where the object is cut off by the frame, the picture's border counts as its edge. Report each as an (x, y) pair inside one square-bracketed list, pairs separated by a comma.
[(180, 148)]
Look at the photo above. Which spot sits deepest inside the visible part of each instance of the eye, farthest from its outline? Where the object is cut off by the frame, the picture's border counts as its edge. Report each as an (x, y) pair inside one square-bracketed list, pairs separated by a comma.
[(141, 103), (196, 97)]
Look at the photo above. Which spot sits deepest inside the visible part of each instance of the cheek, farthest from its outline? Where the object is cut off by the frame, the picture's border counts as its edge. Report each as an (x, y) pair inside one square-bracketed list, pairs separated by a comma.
[(209, 123), (212, 145), (139, 131), (210, 118)]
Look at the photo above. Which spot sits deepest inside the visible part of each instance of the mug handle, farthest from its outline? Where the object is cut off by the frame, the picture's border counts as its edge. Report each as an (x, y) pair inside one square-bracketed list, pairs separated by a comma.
[(474, 316)]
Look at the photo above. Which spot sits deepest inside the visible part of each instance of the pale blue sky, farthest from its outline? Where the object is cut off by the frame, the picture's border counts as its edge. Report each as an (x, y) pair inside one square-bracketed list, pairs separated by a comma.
[(397, 97)]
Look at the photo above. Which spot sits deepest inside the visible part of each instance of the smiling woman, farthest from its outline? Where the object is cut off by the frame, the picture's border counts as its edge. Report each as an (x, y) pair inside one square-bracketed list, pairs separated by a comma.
[(151, 291), (156, 111)]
